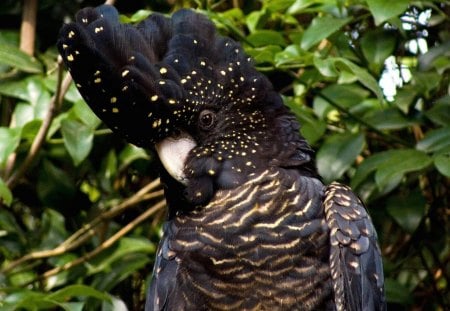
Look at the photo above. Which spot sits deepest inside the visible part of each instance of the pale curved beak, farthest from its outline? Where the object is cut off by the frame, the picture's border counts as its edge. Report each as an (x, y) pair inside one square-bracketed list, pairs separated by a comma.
[(173, 152)]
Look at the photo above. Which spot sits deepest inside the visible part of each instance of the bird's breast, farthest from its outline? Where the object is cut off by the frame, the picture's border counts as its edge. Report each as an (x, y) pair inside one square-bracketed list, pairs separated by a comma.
[(263, 245)]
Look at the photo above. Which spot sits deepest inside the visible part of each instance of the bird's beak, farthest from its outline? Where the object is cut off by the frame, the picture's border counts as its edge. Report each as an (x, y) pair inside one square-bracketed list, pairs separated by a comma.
[(173, 152)]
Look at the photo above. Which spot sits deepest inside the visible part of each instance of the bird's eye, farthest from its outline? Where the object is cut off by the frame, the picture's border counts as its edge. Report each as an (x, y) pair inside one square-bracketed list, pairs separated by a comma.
[(207, 119)]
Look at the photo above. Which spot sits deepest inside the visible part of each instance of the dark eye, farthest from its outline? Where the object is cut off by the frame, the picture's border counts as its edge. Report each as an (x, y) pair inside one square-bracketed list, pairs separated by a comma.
[(207, 119)]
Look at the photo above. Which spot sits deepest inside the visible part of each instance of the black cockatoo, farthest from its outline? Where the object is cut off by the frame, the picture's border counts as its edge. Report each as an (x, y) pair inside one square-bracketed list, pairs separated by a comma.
[(250, 224)]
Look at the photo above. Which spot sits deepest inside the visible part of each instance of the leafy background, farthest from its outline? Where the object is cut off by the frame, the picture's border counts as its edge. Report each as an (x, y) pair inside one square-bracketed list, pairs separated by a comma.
[(80, 210)]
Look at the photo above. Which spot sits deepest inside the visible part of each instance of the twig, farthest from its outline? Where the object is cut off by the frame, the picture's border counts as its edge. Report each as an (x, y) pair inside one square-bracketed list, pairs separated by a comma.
[(27, 39), (133, 200), (87, 231), (61, 89), (108, 243)]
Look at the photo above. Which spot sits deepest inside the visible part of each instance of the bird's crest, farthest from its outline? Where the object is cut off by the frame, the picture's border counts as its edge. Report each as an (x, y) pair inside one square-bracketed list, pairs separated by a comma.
[(146, 80)]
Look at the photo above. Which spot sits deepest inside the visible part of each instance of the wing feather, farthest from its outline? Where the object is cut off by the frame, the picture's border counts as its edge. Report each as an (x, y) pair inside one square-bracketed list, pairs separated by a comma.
[(355, 258)]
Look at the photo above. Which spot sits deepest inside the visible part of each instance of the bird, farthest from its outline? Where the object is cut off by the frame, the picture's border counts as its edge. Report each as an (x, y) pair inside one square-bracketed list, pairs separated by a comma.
[(250, 223)]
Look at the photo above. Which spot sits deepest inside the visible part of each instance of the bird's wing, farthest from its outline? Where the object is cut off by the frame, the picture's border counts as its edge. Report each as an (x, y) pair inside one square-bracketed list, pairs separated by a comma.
[(355, 259), (164, 277)]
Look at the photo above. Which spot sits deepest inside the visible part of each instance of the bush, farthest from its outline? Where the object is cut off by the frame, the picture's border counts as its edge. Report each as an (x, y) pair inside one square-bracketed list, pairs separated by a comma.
[(368, 80)]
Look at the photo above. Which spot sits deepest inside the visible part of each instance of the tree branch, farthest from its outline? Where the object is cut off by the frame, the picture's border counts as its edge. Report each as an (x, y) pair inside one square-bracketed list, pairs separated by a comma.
[(61, 89), (28, 26), (108, 243), (87, 231)]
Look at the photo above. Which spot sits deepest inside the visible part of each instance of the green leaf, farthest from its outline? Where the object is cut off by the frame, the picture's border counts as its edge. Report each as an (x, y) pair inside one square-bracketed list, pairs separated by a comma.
[(337, 154), (407, 210), (388, 119), (333, 66), (75, 291), (299, 5), (9, 141), (78, 139), (139, 16), (26, 299), (363, 76), (373, 163), (14, 57), (321, 28), (442, 163), (5, 194), (124, 247), (52, 231), (131, 153), (292, 55), (30, 89), (405, 98), (86, 115), (30, 130), (311, 127), (278, 5), (376, 46), (262, 38), (256, 19), (435, 140), (344, 95), (440, 112), (426, 82), (265, 54), (383, 10), (54, 186), (397, 293), (129, 264), (399, 163)]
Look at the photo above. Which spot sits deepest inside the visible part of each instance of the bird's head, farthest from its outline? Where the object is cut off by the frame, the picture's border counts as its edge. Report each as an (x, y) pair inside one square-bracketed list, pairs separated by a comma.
[(176, 86)]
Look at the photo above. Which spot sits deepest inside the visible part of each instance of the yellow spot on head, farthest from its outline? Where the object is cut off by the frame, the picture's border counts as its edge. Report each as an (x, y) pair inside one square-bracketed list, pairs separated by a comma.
[(222, 72), (202, 63), (183, 81), (162, 82), (71, 34), (98, 80), (97, 73), (125, 72), (98, 29), (154, 98), (162, 70), (125, 88), (211, 172), (64, 46), (70, 58), (115, 110), (172, 101), (113, 100)]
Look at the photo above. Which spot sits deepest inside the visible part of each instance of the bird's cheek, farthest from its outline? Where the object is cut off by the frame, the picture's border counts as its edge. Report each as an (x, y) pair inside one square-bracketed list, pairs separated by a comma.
[(173, 152)]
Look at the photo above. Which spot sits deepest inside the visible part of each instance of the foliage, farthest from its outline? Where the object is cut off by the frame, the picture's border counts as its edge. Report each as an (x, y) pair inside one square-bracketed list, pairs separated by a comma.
[(368, 80)]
